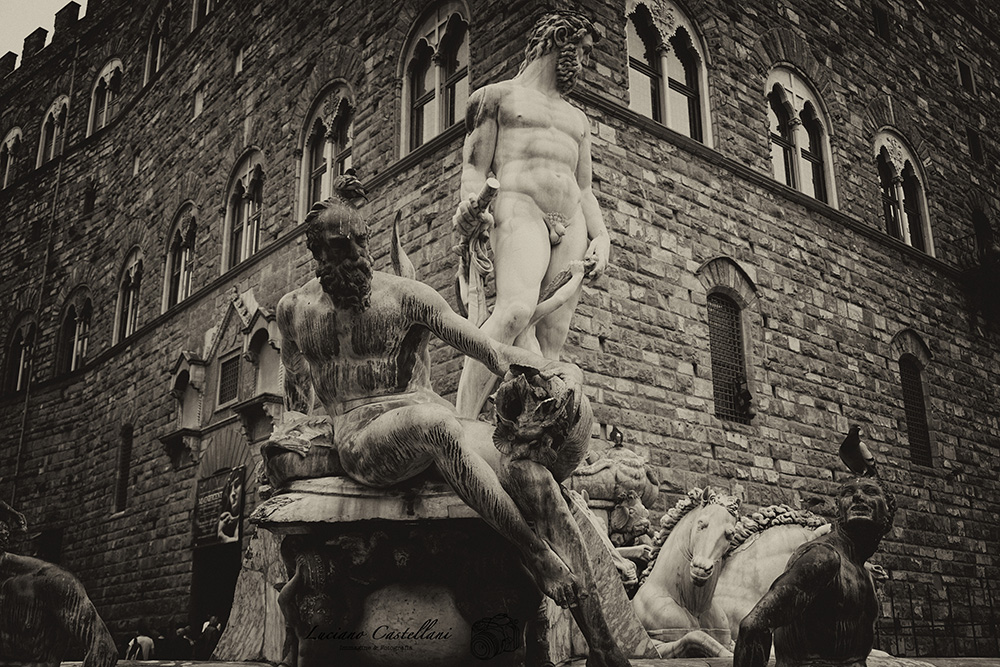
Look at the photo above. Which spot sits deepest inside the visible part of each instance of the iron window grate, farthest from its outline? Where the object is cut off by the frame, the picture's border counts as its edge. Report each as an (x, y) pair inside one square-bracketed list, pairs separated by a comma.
[(916, 414), (728, 370), (229, 376)]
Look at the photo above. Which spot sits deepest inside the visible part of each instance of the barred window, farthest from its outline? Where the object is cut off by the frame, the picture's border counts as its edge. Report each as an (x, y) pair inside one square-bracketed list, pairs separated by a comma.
[(916, 413), (729, 380), (124, 467), (229, 377)]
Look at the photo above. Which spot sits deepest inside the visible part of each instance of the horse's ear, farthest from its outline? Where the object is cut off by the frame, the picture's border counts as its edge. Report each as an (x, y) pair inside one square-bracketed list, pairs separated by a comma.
[(706, 495)]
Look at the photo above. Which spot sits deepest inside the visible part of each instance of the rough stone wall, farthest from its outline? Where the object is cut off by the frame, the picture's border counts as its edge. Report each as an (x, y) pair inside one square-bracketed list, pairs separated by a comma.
[(830, 290)]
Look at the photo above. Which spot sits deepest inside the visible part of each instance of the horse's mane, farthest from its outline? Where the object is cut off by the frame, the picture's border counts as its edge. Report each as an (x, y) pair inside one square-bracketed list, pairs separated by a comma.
[(694, 498), (769, 517)]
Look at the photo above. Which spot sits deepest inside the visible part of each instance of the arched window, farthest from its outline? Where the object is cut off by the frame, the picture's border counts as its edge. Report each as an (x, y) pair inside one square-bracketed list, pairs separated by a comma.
[(914, 405), (124, 467), (244, 209), (904, 207), (667, 76), (19, 355), (730, 387), (10, 150), (200, 11), (800, 144), (127, 309), (891, 214), (180, 257), (328, 144), (106, 96), (53, 130), (782, 142), (644, 74), (74, 335), (814, 182), (986, 244), (156, 48), (266, 364), (435, 74), (683, 97)]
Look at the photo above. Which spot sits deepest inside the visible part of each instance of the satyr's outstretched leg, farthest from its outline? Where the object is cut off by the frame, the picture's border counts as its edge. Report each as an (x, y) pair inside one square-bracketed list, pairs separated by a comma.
[(540, 499)]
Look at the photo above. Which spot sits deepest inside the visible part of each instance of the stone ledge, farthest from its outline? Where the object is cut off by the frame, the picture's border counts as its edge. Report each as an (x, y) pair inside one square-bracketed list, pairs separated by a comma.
[(335, 500)]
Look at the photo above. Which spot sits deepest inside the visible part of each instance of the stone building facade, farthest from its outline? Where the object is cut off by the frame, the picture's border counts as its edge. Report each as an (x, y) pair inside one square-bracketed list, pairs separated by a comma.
[(800, 196)]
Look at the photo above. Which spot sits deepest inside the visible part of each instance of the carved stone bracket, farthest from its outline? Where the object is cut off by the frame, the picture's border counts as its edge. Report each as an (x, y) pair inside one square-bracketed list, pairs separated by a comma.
[(180, 446), (259, 414)]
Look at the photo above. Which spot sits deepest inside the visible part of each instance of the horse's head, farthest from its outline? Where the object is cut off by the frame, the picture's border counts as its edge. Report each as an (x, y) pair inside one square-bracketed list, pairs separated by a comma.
[(711, 530)]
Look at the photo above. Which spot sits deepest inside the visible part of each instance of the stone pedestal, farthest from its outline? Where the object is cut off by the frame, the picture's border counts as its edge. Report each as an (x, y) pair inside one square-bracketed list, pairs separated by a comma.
[(408, 576)]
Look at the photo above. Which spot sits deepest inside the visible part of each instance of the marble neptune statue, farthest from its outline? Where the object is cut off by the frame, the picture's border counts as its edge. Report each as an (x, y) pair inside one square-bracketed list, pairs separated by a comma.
[(545, 215)]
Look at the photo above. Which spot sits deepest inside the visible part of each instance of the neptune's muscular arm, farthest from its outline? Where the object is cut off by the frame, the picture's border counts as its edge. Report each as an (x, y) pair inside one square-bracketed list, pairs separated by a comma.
[(425, 306), (787, 601)]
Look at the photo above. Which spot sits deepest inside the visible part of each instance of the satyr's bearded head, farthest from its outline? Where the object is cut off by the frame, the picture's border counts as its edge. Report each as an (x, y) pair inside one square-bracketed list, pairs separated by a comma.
[(572, 34), (866, 499), (337, 236)]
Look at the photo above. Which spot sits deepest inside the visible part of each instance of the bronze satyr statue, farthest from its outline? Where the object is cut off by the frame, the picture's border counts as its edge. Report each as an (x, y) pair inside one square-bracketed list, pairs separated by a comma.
[(358, 339), (822, 609), (545, 215), (44, 611)]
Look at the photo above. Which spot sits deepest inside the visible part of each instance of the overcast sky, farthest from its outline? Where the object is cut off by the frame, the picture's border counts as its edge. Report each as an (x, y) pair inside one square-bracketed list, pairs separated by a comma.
[(19, 18)]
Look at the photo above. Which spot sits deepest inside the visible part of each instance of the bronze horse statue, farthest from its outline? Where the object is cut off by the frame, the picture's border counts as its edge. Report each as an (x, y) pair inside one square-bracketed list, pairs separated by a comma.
[(44, 610)]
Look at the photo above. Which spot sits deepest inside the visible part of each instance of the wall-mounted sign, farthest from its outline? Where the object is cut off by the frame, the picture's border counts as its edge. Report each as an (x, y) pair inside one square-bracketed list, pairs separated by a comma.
[(218, 510)]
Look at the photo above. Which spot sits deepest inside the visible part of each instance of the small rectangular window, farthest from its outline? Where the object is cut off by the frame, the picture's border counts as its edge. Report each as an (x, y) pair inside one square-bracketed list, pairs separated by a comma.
[(975, 145), (229, 378), (881, 16), (124, 468), (966, 76)]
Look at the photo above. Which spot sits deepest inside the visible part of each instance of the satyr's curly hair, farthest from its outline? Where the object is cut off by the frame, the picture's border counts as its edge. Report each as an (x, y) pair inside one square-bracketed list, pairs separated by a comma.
[(542, 37)]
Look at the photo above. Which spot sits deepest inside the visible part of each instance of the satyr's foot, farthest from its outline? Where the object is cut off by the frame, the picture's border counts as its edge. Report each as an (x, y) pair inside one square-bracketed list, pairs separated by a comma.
[(554, 578)]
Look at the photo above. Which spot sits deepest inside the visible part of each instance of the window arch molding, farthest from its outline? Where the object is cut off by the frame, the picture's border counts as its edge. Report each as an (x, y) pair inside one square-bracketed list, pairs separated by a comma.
[(53, 134), (731, 298), (179, 256), (805, 143), (326, 141), (903, 184), (434, 71), (674, 62), (11, 151), (105, 96), (244, 209), (914, 358), (75, 324)]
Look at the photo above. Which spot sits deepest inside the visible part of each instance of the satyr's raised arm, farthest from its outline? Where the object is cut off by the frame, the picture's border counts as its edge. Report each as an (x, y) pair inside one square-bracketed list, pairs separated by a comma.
[(787, 600), (600, 244), (298, 384)]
